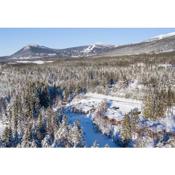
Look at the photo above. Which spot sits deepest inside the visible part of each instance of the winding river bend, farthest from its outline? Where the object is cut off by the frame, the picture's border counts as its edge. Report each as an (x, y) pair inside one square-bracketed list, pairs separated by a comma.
[(91, 134)]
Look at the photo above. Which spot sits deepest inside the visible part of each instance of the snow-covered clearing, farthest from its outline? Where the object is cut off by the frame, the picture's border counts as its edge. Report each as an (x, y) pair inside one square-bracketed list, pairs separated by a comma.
[(118, 107), (34, 62)]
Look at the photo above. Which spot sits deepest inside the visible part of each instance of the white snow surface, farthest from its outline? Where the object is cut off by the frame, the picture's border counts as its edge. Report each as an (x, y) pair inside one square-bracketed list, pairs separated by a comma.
[(165, 65), (162, 36), (90, 48), (92, 100), (34, 62)]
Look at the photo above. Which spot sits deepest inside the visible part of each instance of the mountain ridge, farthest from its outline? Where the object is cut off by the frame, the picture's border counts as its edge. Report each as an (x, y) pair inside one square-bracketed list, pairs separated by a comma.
[(158, 44)]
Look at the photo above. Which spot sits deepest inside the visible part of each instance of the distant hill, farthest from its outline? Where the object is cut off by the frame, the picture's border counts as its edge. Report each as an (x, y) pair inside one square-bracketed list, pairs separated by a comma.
[(158, 44), (37, 51)]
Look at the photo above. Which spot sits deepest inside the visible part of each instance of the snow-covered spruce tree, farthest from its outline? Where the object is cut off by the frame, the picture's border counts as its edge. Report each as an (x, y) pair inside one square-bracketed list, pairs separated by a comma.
[(27, 138), (100, 120), (47, 141), (129, 128), (1, 143), (61, 135), (155, 103), (126, 132), (51, 121), (40, 130), (33, 144), (7, 137), (170, 99), (75, 136), (145, 141), (67, 135), (100, 109)]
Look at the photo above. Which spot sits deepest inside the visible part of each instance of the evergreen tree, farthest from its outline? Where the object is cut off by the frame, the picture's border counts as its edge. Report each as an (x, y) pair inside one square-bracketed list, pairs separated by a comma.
[(155, 104), (27, 137), (75, 135), (47, 141), (7, 137), (61, 135), (126, 133)]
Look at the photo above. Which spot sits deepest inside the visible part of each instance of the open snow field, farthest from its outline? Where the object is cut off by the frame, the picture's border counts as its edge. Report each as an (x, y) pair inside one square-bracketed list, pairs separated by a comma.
[(34, 62), (90, 101), (30, 62)]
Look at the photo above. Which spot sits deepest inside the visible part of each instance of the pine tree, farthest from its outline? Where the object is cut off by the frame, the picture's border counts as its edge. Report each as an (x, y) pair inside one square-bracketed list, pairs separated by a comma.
[(26, 139), (155, 104), (51, 122), (47, 141), (7, 137), (33, 144), (170, 99), (41, 130), (75, 135), (61, 135), (126, 133), (40, 121)]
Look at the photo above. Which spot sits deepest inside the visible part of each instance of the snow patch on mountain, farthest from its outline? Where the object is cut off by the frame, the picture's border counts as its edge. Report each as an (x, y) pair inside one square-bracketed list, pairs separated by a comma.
[(34, 45), (92, 47), (162, 36), (89, 49)]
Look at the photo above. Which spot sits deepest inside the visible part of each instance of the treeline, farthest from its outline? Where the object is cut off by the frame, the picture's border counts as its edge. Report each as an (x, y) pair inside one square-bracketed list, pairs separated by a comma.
[(82, 75)]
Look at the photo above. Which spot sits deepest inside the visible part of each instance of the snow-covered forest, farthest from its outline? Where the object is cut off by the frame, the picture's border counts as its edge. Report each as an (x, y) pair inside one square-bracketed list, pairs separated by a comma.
[(126, 101)]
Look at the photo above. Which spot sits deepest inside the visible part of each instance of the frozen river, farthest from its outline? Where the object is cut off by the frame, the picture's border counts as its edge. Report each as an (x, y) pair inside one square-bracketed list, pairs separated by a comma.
[(91, 134)]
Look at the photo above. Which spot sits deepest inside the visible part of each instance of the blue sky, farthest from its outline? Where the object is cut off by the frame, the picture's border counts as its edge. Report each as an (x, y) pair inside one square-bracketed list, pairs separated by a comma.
[(12, 39)]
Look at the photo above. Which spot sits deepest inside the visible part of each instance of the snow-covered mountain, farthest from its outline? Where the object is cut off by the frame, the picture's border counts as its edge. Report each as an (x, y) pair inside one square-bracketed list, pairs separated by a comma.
[(33, 51), (37, 51), (97, 48), (162, 36), (158, 44)]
